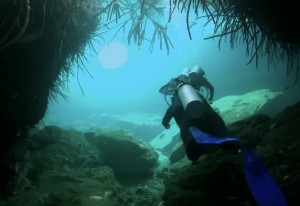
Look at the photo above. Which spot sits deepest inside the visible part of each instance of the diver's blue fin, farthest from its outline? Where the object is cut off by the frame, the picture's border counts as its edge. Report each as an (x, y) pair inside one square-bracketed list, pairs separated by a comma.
[(204, 138), (264, 189)]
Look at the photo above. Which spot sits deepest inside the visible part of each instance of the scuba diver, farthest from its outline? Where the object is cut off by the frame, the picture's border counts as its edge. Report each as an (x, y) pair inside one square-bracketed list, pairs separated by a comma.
[(190, 109)]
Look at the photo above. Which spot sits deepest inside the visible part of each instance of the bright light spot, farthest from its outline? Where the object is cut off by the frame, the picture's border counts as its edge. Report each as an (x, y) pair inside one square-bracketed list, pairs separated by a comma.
[(113, 55)]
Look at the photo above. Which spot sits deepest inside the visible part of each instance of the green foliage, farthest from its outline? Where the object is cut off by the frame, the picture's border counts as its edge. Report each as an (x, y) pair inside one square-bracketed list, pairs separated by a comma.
[(135, 18), (259, 26)]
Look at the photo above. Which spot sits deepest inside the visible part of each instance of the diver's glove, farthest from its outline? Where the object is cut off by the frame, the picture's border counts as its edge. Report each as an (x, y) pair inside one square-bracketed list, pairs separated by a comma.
[(166, 125)]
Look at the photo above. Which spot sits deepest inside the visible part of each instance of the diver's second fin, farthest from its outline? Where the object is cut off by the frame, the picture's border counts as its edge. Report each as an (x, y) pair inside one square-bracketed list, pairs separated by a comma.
[(264, 189)]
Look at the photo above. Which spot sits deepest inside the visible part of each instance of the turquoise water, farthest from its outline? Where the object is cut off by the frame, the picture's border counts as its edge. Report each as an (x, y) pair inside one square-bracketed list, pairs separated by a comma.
[(133, 86)]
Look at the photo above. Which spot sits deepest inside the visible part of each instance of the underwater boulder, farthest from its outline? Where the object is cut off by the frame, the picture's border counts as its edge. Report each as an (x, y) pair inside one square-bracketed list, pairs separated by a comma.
[(237, 107), (131, 158), (67, 167), (49, 149)]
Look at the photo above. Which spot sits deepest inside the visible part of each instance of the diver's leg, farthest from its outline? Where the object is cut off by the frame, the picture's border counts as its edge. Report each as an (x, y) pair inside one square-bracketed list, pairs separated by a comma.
[(212, 123), (192, 149)]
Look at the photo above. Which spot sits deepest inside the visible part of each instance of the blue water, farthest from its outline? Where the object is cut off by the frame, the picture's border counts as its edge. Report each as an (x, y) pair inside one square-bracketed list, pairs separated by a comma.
[(133, 87)]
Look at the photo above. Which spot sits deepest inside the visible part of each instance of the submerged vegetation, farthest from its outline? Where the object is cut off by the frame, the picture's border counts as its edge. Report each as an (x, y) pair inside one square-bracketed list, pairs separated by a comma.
[(267, 28), (41, 39)]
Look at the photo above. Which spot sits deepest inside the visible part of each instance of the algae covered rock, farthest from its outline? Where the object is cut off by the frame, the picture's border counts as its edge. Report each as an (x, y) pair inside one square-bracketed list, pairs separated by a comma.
[(67, 167), (237, 107), (130, 157)]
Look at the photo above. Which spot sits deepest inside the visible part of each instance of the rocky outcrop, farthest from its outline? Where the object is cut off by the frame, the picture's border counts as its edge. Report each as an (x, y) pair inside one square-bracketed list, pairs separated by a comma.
[(237, 107), (130, 157), (67, 167)]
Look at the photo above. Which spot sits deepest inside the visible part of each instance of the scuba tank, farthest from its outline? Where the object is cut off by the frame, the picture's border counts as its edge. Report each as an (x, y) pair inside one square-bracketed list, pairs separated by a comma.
[(191, 100)]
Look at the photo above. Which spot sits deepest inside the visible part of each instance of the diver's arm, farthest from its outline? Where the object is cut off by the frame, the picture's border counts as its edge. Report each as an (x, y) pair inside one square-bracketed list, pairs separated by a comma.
[(167, 118)]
